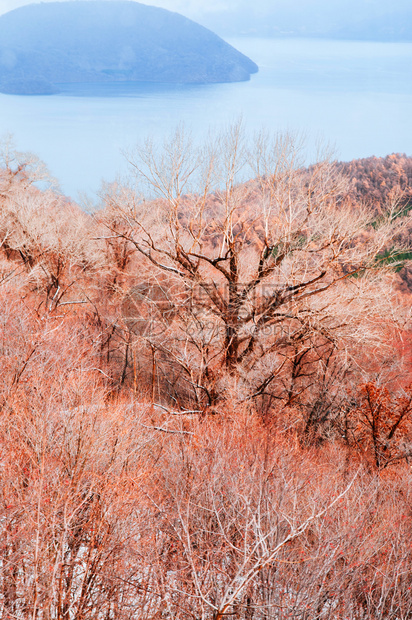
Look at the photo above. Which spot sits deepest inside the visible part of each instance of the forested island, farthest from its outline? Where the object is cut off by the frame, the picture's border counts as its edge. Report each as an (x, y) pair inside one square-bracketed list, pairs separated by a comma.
[(44, 45), (206, 408)]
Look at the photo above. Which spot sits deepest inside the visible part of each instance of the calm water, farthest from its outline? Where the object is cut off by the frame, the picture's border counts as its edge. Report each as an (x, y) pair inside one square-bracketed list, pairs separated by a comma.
[(357, 96)]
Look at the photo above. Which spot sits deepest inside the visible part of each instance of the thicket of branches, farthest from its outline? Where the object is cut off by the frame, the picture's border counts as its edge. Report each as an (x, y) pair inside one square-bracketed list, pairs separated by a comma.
[(205, 401)]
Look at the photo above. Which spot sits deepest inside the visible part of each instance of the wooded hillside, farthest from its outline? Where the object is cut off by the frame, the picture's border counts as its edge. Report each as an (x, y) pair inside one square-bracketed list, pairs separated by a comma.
[(375, 180), (206, 408)]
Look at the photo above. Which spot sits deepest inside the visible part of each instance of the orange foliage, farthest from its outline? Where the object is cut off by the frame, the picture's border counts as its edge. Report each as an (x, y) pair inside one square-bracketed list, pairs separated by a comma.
[(121, 498), (382, 424)]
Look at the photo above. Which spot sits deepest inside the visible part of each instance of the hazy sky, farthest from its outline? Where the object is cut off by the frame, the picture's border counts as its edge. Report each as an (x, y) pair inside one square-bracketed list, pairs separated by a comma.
[(204, 7), (238, 15)]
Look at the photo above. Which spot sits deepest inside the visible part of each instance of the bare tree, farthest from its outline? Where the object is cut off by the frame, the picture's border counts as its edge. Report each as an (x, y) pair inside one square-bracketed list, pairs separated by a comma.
[(43, 231), (271, 280), (71, 471), (251, 526)]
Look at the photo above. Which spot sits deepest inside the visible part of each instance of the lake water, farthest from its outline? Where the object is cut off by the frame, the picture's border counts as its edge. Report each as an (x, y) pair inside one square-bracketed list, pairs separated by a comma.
[(355, 95)]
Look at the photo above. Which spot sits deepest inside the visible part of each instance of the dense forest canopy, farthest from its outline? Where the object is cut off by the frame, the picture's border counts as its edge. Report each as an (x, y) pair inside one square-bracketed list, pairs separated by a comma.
[(374, 180), (205, 401)]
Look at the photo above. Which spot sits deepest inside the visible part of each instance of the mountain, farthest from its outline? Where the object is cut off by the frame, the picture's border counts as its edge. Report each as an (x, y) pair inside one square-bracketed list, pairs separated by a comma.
[(44, 45)]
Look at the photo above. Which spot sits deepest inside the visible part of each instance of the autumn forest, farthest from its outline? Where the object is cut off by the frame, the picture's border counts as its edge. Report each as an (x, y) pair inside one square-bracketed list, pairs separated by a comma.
[(206, 393)]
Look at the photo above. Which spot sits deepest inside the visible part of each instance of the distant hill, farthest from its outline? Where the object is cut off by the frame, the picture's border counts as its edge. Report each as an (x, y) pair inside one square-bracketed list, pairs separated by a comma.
[(371, 20), (44, 45), (377, 180)]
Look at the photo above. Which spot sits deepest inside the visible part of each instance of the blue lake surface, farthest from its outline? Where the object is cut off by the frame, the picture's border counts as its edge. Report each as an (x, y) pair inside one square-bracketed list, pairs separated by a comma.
[(355, 95)]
